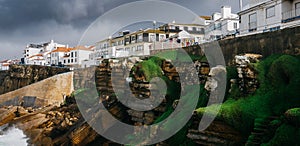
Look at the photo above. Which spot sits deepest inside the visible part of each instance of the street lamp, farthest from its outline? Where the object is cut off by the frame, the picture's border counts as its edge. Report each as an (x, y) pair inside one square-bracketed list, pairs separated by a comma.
[(154, 25)]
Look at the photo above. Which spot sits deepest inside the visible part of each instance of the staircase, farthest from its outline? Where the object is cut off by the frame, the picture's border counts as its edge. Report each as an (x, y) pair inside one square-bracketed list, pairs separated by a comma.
[(262, 128)]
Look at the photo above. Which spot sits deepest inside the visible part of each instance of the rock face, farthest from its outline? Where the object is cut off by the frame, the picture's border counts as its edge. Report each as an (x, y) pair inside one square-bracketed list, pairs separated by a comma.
[(247, 75), (19, 76), (218, 133), (64, 125)]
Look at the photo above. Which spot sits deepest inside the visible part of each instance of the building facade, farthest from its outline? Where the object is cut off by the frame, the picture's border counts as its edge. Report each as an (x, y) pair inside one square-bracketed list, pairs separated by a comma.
[(223, 24), (39, 54), (4, 65), (76, 56), (269, 15)]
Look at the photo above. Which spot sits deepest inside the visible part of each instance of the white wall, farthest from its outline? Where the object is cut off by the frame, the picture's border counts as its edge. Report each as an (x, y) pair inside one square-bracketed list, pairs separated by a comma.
[(57, 57), (263, 23)]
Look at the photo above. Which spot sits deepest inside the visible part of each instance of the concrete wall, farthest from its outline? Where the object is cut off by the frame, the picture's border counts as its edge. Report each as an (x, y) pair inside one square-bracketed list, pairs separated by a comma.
[(49, 91)]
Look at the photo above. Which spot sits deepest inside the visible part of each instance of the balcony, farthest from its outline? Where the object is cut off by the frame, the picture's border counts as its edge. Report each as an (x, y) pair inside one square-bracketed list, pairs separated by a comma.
[(291, 15), (252, 26)]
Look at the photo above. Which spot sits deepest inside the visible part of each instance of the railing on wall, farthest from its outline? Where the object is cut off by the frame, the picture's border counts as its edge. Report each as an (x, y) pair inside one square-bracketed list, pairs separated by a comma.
[(290, 15)]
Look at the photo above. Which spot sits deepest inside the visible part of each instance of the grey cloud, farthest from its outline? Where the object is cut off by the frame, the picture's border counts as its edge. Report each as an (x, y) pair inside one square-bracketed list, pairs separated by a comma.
[(33, 21)]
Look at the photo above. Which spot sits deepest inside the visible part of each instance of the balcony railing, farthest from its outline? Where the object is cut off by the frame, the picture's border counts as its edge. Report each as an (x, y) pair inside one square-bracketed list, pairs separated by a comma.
[(252, 26), (290, 15)]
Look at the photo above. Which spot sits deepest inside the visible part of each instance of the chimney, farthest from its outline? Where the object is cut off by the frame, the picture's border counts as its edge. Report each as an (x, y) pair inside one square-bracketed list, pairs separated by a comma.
[(225, 11)]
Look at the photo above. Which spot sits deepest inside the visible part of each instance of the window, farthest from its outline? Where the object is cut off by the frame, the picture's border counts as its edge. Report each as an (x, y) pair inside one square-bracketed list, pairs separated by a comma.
[(75, 54), (75, 59), (72, 60), (270, 12), (252, 22), (140, 48), (235, 25), (64, 61), (297, 9), (140, 38), (72, 54)]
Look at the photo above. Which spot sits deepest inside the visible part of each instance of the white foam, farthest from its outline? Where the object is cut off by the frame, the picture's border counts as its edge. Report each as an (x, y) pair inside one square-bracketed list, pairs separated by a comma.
[(12, 137)]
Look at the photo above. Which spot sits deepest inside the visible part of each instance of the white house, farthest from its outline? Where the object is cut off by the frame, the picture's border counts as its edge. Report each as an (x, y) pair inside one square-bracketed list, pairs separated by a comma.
[(141, 42), (32, 51), (4, 65), (222, 24), (269, 15), (37, 59), (57, 55), (76, 56), (196, 30)]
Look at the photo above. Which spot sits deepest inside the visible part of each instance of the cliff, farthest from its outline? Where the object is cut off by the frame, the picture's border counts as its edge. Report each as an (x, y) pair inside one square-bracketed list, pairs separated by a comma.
[(19, 76)]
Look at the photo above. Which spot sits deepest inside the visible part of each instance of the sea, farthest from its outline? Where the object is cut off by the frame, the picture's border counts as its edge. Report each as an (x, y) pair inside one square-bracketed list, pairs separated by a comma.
[(10, 135)]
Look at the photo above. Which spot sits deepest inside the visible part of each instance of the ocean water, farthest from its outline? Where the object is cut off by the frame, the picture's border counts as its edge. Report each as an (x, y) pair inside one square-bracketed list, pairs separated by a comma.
[(12, 136)]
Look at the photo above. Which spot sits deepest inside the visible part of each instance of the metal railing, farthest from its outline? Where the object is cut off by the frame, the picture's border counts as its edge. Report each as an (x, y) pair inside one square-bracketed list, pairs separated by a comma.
[(252, 26), (290, 15)]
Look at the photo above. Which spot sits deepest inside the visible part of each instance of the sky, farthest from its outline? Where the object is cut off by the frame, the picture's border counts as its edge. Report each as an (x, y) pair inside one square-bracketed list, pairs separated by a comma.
[(65, 21)]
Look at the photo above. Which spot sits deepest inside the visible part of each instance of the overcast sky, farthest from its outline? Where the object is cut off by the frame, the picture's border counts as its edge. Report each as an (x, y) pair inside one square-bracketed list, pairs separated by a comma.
[(34, 21)]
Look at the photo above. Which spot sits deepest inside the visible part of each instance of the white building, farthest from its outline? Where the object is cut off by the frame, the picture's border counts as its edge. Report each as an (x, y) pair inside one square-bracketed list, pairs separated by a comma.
[(269, 15), (76, 56), (37, 59), (34, 52), (4, 65), (58, 55), (222, 24), (196, 30), (140, 43)]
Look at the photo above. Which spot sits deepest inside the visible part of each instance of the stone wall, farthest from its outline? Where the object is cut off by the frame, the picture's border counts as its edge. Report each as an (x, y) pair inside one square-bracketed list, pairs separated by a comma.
[(285, 41), (48, 91), (19, 76)]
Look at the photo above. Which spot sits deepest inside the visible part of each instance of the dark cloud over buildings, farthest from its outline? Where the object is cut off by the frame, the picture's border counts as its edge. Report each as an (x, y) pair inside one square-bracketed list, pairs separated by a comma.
[(33, 21)]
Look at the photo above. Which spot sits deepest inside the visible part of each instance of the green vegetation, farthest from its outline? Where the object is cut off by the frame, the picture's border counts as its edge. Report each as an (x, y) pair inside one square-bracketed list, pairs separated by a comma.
[(285, 135), (279, 77), (152, 68)]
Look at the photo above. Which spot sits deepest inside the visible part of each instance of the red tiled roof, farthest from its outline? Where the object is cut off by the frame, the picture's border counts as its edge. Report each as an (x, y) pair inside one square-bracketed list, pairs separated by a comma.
[(83, 48), (37, 55), (4, 61), (62, 49)]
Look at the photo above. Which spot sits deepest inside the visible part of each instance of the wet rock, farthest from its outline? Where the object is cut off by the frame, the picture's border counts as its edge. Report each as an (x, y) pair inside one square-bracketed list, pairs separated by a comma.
[(247, 73), (293, 116)]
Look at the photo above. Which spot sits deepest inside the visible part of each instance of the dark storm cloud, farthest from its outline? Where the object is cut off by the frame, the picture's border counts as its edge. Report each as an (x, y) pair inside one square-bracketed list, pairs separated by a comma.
[(20, 13), (34, 21)]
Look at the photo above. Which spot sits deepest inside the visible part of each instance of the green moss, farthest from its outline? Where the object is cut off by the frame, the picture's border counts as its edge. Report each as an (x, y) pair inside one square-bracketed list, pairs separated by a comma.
[(279, 90), (294, 112), (151, 68), (285, 135)]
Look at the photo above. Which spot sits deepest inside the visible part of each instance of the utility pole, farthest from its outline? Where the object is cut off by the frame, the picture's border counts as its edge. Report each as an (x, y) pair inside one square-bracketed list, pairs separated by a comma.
[(154, 25), (241, 5)]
